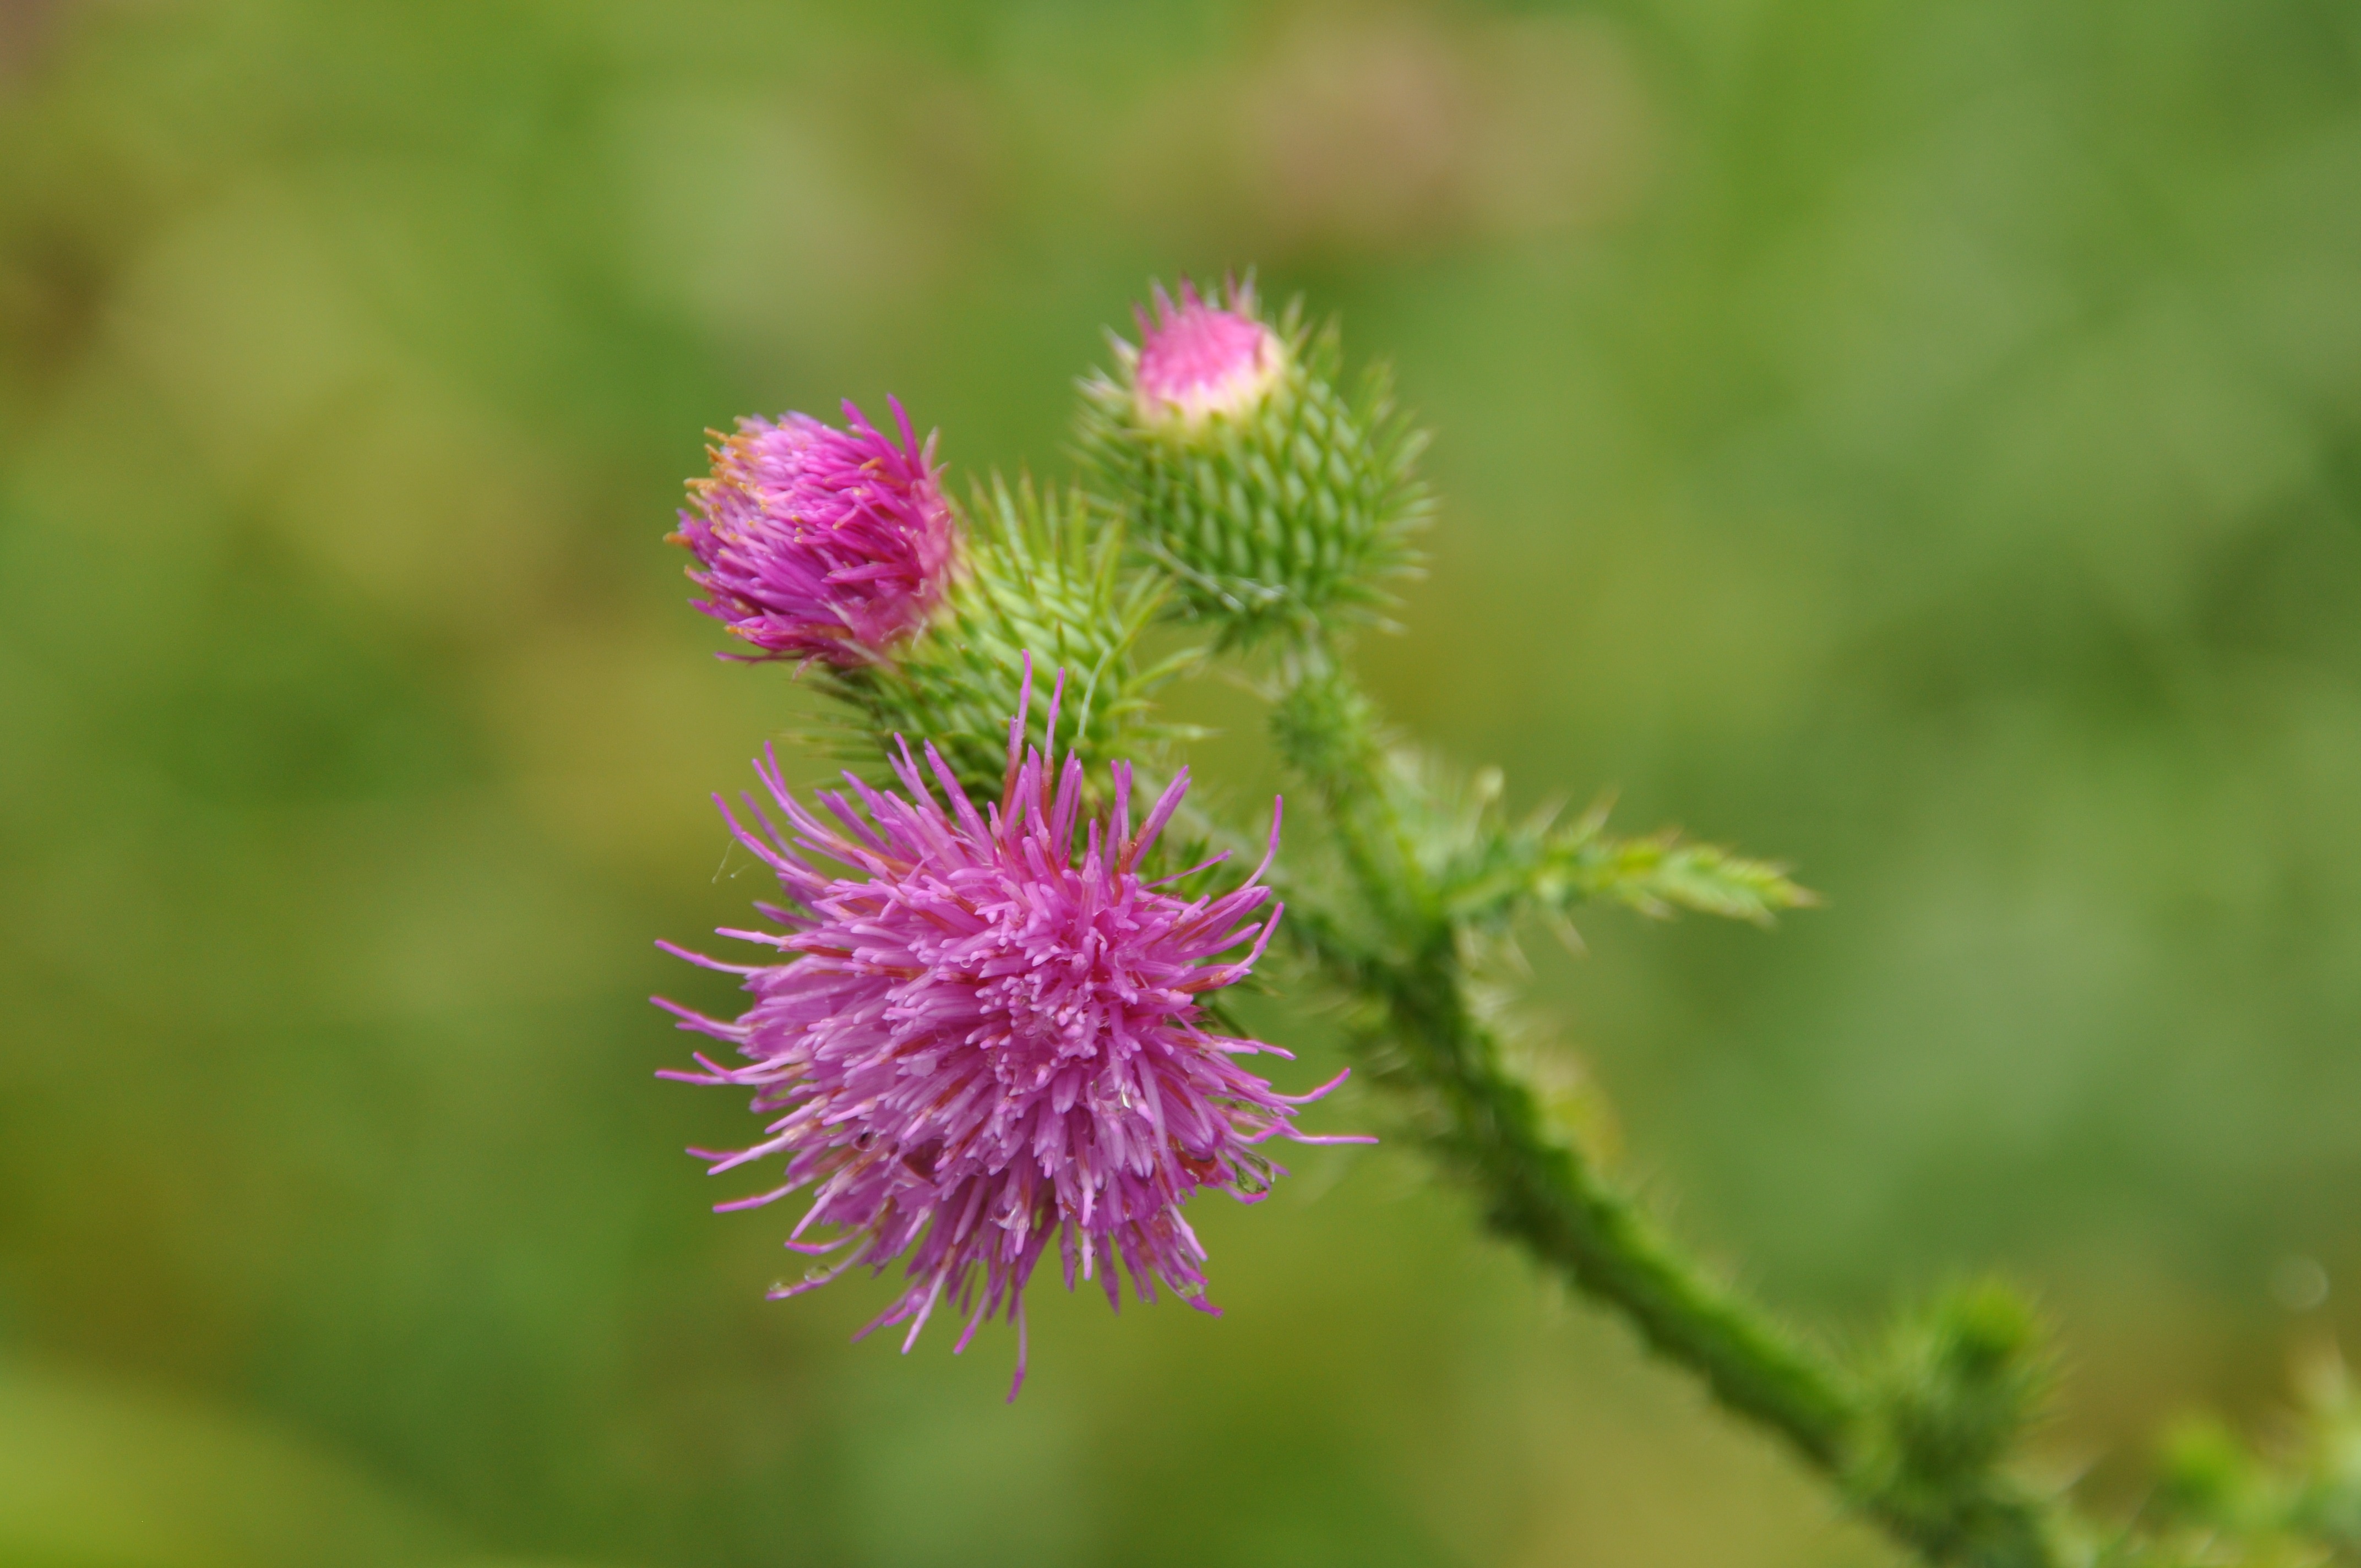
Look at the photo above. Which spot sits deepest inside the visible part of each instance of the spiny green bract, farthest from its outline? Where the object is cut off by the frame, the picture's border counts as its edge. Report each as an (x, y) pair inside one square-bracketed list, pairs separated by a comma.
[(1043, 577), (1961, 1378), (1290, 516), (2306, 1488), (1953, 1388), (1485, 870)]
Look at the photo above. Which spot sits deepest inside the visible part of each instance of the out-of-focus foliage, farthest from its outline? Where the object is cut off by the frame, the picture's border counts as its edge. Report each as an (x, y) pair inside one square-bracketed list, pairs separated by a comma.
[(1922, 442)]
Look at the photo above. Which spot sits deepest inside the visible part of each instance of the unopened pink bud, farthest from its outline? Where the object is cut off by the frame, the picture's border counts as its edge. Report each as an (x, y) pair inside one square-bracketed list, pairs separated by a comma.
[(814, 542), (1197, 360)]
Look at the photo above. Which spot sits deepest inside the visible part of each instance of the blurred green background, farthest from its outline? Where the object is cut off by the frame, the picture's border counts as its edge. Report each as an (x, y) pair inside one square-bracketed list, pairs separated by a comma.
[(1920, 441)]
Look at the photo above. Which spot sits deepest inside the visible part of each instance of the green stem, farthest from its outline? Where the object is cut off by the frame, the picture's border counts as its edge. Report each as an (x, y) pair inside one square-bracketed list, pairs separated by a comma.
[(1544, 1195), (1486, 1124)]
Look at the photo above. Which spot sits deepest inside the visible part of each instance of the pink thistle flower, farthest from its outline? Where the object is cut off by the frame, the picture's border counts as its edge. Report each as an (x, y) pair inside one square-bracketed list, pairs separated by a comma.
[(982, 1041), (817, 543), (1196, 360)]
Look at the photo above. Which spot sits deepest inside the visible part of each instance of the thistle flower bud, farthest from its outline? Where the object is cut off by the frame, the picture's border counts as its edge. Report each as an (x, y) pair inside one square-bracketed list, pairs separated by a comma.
[(1275, 502), (814, 542), (1196, 360)]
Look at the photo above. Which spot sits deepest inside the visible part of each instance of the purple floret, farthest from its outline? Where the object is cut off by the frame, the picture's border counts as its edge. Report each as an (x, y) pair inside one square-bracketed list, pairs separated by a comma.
[(982, 1041), (814, 542)]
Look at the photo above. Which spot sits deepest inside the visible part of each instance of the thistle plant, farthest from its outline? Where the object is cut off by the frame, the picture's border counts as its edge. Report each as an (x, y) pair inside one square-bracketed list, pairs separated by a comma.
[(988, 1018)]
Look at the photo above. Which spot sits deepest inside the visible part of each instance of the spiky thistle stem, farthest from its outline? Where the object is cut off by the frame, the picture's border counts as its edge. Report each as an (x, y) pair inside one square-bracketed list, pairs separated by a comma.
[(1930, 1481)]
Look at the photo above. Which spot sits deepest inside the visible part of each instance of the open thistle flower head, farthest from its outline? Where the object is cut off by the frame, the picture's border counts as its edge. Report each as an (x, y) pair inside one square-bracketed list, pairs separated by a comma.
[(1196, 359), (815, 542), (985, 1037)]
